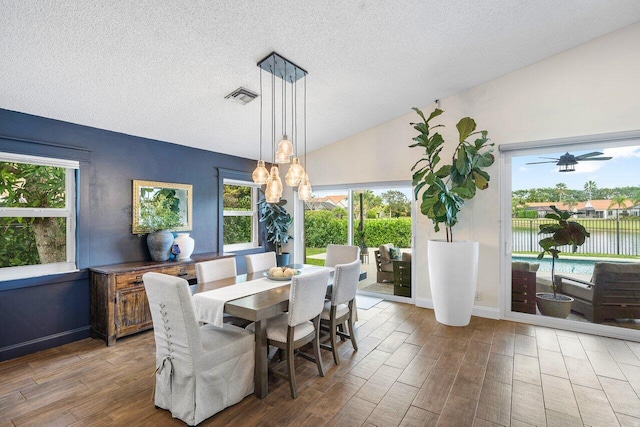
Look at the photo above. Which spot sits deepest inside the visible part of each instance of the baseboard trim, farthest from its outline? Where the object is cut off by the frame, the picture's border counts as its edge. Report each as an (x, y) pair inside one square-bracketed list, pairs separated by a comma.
[(44, 343), (479, 311)]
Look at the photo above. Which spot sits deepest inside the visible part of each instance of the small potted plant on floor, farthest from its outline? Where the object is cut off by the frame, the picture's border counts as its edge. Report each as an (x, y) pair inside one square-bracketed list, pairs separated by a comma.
[(563, 232), (277, 222)]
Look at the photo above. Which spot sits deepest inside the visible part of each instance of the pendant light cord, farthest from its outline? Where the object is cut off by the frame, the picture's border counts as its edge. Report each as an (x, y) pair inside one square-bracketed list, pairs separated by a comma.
[(305, 123), (273, 114), (261, 99)]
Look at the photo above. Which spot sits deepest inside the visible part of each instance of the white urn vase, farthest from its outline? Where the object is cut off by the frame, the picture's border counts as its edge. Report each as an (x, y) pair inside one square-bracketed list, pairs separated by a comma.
[(453, 275), (185, 243)]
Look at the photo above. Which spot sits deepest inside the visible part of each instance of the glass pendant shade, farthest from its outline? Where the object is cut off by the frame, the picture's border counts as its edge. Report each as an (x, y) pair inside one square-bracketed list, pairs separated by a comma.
[(282, 157), (260, 174), (295, 173), (273, 192), (304, 189), (285, 146)]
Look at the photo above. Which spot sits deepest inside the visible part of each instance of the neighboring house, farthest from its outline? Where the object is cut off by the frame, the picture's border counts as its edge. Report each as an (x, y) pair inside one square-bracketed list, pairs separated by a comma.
[(327, 203), (590, 209)]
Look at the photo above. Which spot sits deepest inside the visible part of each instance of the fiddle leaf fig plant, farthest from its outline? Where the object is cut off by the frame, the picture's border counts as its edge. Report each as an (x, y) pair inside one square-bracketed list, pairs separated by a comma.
[(277, 222), (563, 232), (449, 185)]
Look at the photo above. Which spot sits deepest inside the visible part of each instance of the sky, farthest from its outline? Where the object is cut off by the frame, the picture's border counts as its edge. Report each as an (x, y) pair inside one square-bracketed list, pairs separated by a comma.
[(621, 171)]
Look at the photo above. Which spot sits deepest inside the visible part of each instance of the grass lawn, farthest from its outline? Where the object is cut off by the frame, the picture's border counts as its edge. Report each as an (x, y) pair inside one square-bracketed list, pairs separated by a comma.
[(315, 251)]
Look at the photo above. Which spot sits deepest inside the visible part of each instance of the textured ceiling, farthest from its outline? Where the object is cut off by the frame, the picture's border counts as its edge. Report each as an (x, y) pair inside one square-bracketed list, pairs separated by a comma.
[(161, 69)]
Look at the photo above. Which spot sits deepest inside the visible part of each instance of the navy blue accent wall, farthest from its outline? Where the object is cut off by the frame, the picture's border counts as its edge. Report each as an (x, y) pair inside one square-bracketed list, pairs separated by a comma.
[(44, 312)]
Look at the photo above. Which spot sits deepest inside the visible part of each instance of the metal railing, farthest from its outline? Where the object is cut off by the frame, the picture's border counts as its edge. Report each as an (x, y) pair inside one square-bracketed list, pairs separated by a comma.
[(608, 236)]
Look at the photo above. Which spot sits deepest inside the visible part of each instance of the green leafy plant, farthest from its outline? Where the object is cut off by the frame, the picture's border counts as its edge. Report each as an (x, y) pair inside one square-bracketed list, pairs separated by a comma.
[(277, 223), (563, 232), (449, 185), (159, 211)]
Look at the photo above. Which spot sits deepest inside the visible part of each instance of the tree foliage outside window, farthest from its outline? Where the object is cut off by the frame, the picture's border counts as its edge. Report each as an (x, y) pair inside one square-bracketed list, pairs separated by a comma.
[(239, 215), (33, 225)]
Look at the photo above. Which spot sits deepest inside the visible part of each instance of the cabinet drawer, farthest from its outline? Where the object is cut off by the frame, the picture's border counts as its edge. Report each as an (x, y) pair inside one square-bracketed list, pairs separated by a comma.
[(134, 278)]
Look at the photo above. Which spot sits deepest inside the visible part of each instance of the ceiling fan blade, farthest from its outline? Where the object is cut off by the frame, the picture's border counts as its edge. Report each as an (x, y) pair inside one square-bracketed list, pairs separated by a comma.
[(551, 158), (597, 158), (537, 163), (584, 156)]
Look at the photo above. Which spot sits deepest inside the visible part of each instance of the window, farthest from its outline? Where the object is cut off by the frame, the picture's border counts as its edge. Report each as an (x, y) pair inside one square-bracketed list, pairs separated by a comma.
[(240, 215), (37, 216)]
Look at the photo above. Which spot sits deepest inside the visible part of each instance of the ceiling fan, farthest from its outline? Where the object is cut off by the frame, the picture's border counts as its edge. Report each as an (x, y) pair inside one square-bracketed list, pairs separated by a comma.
[(567, 162)]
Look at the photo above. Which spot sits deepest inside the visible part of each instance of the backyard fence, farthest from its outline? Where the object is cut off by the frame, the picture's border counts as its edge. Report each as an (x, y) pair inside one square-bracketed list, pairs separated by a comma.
[(608, 236)]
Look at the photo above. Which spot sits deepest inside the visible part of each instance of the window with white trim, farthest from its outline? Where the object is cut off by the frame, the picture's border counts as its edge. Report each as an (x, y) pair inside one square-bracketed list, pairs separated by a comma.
[(37, 216), (240, 215)]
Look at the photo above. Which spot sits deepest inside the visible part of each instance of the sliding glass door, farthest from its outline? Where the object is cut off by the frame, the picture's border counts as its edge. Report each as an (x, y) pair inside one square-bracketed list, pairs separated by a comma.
[(376, 218)]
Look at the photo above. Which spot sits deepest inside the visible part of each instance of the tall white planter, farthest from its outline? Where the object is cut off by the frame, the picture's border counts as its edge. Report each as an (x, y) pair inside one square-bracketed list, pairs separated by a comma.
[(453, 274)]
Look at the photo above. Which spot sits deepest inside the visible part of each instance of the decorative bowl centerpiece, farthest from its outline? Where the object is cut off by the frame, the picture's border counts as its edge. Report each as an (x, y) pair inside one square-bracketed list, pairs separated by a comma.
[(281, 273)]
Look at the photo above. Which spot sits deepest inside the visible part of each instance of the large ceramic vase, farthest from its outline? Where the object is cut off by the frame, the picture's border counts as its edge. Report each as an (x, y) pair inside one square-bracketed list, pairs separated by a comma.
[(186, 245), (453, 274), (159, 244)]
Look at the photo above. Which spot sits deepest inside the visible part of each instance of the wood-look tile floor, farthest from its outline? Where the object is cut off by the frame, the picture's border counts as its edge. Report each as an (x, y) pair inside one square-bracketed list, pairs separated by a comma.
[(409, 371)]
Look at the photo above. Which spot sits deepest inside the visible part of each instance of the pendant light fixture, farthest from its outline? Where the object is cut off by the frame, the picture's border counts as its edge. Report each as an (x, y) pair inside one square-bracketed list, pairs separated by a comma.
[(260, 174), (289, 73)]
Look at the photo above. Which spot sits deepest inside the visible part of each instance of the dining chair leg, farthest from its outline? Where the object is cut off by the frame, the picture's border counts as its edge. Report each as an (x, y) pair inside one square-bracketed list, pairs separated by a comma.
[(290, 364), (352, 333), (343, 328), (316, 346), (334, 344)]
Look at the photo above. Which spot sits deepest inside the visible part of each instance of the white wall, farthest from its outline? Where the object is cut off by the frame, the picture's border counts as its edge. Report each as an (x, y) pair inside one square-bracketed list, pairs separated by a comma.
[(591, 89)]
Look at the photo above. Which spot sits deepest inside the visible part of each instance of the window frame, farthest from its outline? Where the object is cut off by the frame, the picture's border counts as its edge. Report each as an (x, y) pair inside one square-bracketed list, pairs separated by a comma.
[(69, 211), (250, 213)]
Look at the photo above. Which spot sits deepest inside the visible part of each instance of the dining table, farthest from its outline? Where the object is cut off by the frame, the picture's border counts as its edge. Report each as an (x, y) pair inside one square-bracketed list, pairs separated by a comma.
[(258, 308)]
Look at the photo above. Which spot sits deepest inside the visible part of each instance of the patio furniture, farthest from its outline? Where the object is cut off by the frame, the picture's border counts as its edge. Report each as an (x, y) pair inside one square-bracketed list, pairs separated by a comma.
[(612, 293), (523, 286), (200, 370), (384, 263)]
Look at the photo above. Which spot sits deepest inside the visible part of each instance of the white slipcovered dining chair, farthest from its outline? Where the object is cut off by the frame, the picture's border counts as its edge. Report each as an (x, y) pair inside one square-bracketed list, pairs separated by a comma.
[(222, 268), (341, 307), (218, 269), (261, 261), (341, 254), (200, 370), (301, 324)]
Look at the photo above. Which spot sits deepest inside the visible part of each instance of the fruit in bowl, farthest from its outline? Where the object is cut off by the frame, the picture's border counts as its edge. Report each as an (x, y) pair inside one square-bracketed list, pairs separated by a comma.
[(282, 272)]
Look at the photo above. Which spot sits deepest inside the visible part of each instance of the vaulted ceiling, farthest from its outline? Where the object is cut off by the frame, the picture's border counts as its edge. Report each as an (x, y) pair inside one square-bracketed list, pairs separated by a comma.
[(161, 69)]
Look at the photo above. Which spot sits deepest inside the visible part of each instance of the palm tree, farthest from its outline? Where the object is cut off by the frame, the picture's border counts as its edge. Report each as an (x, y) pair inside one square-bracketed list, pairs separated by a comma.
[(561, 189), (620, 201), (590, 187)]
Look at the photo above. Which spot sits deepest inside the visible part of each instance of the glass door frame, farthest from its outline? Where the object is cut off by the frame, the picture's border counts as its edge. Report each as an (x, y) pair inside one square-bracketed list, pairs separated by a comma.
[(507, 152), (349, 188)]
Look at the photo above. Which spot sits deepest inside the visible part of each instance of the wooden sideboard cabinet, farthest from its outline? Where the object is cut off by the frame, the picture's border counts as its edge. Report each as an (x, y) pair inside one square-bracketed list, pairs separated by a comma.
[(119, 305)]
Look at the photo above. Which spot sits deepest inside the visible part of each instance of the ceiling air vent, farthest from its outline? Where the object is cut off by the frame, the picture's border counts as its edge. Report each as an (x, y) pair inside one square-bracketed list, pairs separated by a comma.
[(242, 95)]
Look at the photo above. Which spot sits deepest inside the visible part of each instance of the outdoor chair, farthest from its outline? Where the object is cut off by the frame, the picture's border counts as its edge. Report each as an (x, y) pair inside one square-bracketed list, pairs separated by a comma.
[(384, 263), (612, 293), (402, 276)]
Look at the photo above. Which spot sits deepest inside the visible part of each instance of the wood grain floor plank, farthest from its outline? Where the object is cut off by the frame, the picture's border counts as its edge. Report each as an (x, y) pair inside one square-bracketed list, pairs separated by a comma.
[(527, 345), (604, 365), (379, 384), (499, 368), (503, 344), (627, 421), (558, 395), (434, 392), (354, 413), (560, 419), (527, 404), (552, 363), (546, 339), (621, 396), (403, 356), (495, 402), (418, 417), (468, 382), (458, 411), (394, 406), (594, 407), (370, 364), (581, 372), (632, 374), (571, 347), (417, 371), (526, 369)]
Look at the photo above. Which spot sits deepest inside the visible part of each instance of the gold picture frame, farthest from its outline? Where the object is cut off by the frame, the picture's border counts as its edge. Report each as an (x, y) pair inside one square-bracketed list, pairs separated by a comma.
[(147, 189)]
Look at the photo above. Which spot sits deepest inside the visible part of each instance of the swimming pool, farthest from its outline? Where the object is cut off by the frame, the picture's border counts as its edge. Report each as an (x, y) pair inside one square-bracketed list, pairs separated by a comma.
[(575, 266)]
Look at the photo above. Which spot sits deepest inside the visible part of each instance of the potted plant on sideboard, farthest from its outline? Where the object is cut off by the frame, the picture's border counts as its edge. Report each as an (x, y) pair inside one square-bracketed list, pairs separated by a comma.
[(277, 222), (563, 232), (159, 213), (453, 266)]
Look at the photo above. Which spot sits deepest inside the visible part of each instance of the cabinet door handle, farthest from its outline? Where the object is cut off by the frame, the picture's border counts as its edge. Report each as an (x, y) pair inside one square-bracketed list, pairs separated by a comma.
[(138, 280)]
